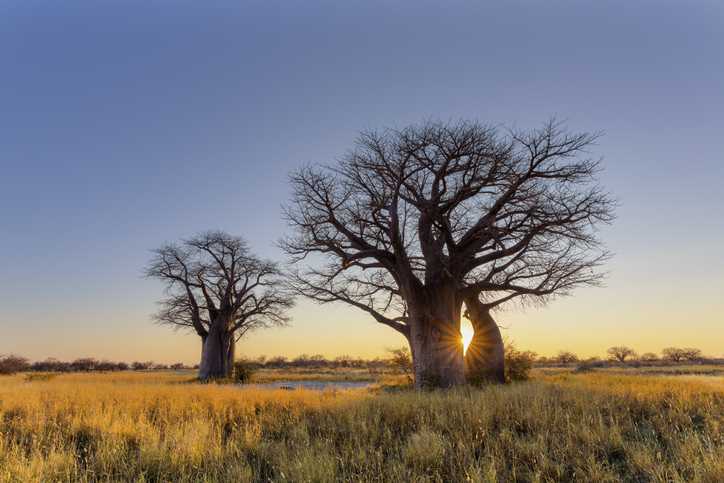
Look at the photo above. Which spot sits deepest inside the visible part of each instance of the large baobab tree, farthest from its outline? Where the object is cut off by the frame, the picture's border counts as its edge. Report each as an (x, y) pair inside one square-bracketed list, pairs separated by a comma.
[(413, 222), (219, 290)]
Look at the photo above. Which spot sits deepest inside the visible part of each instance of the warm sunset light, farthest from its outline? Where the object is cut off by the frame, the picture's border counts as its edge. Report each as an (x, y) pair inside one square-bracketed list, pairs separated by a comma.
[(467, 332), (246, 241)]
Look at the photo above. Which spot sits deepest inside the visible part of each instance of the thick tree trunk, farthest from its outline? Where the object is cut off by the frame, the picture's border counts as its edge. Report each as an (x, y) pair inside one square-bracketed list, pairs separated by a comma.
[(203, 343), (214, 355), (230, 355), (485, 357), (435, 340)]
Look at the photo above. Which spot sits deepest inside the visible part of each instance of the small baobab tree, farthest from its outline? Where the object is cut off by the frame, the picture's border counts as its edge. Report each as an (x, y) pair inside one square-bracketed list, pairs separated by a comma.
[(415, 222), (219, 290), (621, 353)]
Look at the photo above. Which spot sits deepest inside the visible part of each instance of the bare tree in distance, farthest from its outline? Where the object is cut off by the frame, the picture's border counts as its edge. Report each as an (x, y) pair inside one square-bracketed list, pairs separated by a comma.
[(692, 354), (219, 290), (676, 354), (621, 353), (673, 354), (565, 357), (415, 222)]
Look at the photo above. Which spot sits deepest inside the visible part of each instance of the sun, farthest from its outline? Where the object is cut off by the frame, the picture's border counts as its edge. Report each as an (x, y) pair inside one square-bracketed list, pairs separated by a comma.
[(467, 333)]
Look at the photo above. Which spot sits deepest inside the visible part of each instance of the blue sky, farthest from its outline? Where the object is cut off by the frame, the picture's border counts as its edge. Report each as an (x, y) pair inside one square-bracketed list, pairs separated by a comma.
[(126, 124)]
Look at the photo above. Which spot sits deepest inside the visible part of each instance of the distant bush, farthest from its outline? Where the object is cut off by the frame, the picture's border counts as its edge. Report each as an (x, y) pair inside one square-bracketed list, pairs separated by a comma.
[(343, 361), (277, 362), (316, 360), (518, 363), (50, 365), (590, 364), (566, 357), (141, 366), (649, 357), (11, 364), (106, 366), (84, 365), (401, 360), (243, 370)]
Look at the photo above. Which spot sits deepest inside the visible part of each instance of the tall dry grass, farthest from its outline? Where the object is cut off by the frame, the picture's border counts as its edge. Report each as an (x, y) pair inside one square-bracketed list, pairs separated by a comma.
[(563, 427)]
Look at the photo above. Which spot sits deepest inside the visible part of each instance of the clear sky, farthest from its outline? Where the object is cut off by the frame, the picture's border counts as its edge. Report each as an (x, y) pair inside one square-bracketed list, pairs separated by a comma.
[(127, 124)]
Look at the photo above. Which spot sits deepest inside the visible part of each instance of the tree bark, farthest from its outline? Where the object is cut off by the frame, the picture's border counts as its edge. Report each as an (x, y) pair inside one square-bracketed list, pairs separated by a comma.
[(203, 343), (230, 355), (435, 340), (214, 355), (485, 357)]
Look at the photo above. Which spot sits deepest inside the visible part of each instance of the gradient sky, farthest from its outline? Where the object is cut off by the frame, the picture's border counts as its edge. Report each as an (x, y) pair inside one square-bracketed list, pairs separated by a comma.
[(127, 124)]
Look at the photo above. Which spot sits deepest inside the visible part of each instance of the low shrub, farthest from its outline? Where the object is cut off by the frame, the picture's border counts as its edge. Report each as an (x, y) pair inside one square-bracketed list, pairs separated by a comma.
[(401, 361), (243, 370), (11, 364), (589, 365), (518, 363)]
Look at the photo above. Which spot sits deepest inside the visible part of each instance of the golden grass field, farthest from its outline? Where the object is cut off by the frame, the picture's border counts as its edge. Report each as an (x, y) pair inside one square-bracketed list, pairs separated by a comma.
[(558, 427)]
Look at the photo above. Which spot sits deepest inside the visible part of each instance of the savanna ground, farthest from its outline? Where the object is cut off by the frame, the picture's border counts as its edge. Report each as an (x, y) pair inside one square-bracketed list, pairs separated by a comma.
[(604, 425)]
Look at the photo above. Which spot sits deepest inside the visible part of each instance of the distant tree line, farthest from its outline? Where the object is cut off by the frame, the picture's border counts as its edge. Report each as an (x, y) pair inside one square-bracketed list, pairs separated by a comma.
[(11, 364), (624, 354), (397, 360), (319, 361)]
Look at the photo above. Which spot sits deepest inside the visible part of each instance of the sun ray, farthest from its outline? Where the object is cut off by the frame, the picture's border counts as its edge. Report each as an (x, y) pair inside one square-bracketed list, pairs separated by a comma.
[(467, 335)]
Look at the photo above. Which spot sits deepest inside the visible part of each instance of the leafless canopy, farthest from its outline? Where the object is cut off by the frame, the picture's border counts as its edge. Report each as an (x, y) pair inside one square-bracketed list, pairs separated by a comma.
[(620, 353), (501, 213), (213, 276)]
